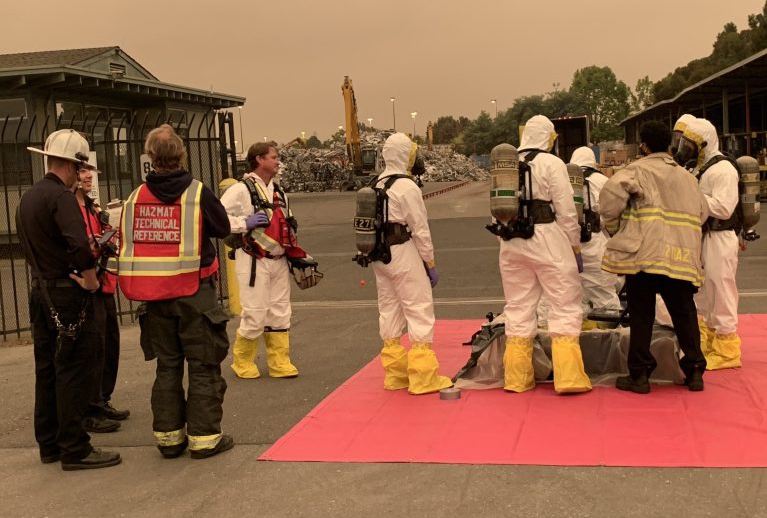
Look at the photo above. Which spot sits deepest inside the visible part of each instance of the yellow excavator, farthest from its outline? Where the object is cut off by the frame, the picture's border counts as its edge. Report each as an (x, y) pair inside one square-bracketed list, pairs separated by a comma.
[(365, 161)]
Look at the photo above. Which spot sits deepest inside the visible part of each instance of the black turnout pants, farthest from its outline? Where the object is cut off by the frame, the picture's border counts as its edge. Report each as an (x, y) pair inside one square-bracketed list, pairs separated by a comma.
[(641, 289), (63, 378), (108, 354), (191, 329)]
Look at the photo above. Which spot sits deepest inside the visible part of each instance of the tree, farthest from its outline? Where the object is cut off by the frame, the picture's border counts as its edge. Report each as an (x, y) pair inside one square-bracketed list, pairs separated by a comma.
[(313, 142), (729, 47), (477, 136), (604, 98), (446, 129), (561, 103), (339, 137), (642, 96)]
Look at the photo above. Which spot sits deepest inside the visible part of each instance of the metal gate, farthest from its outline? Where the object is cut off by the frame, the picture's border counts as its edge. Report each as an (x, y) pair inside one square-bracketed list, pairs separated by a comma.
[(118, 143)]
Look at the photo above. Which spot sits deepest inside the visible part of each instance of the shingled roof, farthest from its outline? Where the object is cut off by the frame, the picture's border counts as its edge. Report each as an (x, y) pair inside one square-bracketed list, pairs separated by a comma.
[(51, 57)]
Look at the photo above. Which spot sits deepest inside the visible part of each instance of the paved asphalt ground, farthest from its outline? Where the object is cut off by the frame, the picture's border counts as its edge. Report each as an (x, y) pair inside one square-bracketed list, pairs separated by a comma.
[(334, 334)]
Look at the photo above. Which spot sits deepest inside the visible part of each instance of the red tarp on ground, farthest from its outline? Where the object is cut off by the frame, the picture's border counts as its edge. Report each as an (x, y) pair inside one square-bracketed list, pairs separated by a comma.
[(724, 426)]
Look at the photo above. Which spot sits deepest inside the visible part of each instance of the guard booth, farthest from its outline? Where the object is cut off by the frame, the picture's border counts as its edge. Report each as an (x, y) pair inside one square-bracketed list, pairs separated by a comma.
[(114, 102)]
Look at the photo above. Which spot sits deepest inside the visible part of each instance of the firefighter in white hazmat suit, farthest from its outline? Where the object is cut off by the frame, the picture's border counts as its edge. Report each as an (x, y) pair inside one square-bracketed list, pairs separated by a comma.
[(717, 300), (547, 264), (404, 286), (598, 285), (262, 274)]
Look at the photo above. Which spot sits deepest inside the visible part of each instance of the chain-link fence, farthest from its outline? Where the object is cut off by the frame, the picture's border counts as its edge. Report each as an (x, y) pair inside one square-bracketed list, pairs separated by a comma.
[(116, 142)]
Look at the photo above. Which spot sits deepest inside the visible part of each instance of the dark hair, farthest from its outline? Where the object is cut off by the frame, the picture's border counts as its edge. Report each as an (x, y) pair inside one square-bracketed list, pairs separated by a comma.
[(258, 149), (655, 135)]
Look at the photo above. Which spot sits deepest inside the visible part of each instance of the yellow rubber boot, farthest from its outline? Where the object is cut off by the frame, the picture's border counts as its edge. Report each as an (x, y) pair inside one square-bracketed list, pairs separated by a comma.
[(422, 367), (518, 373), (278, 355), (567, 362), (394, 361), (725, 352), (244, 357), (706, 337)]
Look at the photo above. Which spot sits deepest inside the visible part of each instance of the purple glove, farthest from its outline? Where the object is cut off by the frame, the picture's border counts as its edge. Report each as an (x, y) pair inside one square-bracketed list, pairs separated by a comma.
[(433, 275), (579, 261), (259, 219)]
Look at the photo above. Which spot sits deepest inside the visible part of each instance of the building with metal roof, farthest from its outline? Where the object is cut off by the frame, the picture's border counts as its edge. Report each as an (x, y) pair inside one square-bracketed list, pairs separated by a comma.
[(734, 100)]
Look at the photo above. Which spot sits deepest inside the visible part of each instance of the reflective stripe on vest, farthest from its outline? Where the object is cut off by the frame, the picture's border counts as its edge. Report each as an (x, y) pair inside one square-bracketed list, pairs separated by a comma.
[(160, 246), (679, 263)]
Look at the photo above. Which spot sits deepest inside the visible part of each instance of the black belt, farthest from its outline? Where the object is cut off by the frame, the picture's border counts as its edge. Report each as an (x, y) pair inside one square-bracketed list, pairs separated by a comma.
[(541, 211), (717, 225), (54, 283), (396, 233)]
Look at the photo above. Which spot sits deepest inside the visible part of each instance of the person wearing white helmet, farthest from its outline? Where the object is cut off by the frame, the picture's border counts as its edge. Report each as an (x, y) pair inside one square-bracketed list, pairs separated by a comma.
[(404, 285), (717, 299), (545, 264), (598, 285), (61, 305)]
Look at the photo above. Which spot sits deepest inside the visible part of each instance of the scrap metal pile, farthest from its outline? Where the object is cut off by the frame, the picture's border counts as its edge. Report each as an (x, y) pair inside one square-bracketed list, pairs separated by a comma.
[(314, 170)]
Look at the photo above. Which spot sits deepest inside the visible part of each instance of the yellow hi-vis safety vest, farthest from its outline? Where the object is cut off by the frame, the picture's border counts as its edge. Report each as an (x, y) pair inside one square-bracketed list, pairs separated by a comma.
[(160, 246)]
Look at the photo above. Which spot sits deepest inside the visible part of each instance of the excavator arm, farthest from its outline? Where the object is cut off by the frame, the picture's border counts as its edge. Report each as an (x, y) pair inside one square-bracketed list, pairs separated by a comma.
[(353, 150)]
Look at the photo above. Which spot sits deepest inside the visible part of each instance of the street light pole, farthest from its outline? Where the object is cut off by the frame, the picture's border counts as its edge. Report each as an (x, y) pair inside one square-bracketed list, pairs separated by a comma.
[(393, 114), (413, 114), (495, 102), (242, 141)]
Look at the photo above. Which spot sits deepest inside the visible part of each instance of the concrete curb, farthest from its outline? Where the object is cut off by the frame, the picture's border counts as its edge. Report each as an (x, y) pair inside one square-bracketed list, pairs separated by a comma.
[(444, 190)]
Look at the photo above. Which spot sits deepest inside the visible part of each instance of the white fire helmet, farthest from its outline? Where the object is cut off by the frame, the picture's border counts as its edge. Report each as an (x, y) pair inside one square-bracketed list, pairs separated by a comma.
[(68, 145)]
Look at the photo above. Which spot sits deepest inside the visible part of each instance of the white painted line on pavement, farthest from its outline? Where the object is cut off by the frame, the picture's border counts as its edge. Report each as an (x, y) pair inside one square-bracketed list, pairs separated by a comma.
[(332, 304)]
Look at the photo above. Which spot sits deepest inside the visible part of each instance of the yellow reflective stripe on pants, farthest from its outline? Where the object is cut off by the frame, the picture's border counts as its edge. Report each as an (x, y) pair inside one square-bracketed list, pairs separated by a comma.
[(169, 438), (204, 442)]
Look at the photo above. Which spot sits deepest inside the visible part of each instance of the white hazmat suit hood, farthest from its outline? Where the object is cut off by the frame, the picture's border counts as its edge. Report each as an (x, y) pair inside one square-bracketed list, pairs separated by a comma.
[(702, 131), (538, 134), (584, 157), (683, 121), (396, 154)]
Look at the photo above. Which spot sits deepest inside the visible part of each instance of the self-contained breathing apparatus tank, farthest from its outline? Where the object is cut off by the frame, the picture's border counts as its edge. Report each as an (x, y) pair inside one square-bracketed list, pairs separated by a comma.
[(575, 173), (510, 194), (749, 196), (374, 234), (365, 224), (504, 183)]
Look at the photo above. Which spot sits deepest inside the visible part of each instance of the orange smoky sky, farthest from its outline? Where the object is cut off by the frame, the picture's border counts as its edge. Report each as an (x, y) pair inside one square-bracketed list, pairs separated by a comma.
[(289, 59)]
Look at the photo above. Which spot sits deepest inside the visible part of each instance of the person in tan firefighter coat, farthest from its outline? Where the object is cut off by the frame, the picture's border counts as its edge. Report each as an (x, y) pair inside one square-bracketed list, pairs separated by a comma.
[(404, 285), (654, 211), (717, 299), (259, 210), (545, 264), (167, 259)]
